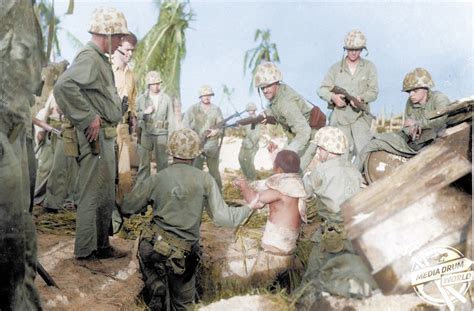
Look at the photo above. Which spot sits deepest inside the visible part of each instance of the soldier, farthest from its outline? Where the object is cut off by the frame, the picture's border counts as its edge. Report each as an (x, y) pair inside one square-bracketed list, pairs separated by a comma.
[(86, 94), (249, 146), (417, 131), (201, 117), (169, 246), (289, 109), (156, 119), (358, 77), (332, 182), (20, 78)]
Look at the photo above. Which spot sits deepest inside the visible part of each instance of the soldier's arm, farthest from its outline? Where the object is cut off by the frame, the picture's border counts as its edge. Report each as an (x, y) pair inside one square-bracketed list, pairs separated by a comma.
[(300, 127), (219, 211), (372, 85), (440, 100), (327, 84), (132, 98), (137, 200), (140, 107), (67, 91), (188, 119)]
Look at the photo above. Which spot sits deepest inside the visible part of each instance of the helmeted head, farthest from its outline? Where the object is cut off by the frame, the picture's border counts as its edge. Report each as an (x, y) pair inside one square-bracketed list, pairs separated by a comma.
[(355, 40), (205, 90), (153, 77), (331, 139), (418, 78), (108, 21), (184, 144), (251, 107), (266, 73)]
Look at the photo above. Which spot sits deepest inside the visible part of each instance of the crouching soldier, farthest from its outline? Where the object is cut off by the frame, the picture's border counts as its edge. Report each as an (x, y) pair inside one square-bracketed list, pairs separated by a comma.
[(169, 246), (333, 266)]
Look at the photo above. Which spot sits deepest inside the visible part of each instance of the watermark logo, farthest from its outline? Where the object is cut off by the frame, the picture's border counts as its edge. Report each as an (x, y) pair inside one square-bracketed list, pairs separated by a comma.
[(441, 276)]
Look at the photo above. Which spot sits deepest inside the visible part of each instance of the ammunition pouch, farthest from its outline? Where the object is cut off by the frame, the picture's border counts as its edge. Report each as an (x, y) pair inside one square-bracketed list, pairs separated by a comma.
[(152, 124), (110, 132), (332, 237), (70, 141)]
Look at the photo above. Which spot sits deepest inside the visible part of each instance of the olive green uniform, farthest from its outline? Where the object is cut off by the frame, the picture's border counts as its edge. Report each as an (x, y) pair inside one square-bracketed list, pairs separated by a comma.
[(86, 89), (20, 77), (154, 135), (199, 120), (292, 112), (169, 248), (333, 265), (400, 143), (248, 150), (363, 83)]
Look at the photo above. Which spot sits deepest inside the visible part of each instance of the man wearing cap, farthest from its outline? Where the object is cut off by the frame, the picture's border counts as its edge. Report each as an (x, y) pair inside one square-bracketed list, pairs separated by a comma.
[(201, 117), (333, 266), (20, 78), (249, 146), (358, 77), (87, 95), (156, 119), (289, 109)]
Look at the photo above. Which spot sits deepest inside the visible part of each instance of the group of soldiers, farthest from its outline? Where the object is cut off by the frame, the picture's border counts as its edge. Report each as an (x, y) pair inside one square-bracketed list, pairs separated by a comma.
[(95, 104)]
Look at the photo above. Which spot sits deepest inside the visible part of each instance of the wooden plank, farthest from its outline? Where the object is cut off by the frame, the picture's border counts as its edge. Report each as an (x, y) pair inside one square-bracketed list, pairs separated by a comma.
[(434, 168), (458, 138)]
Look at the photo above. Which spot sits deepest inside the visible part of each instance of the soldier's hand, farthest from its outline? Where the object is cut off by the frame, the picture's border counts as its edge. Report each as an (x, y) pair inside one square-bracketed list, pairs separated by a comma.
[(92, 132), (409, 122), (212, 132), (149, 110), (264, 121), (338, 100), (240, 183), (40, 136)]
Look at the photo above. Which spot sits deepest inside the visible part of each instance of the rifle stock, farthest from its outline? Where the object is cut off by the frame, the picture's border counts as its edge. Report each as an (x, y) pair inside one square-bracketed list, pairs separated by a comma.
[(48, 128), (359, 106)]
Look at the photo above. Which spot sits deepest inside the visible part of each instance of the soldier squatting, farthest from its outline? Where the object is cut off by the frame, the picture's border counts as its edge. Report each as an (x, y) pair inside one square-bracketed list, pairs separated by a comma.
[(94, 101)]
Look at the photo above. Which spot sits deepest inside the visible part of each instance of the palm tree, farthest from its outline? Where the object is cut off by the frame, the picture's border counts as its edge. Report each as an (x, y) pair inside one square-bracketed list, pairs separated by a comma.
[(164, 47), (264, 52)]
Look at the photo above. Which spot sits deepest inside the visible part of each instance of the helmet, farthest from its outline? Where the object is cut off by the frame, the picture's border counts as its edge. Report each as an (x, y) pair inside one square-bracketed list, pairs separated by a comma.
[(184, 144), (332, 139), (355, 40), (205, 90), (251, 107), (108, 21), (153, 77), (266, 74), (417, 78)]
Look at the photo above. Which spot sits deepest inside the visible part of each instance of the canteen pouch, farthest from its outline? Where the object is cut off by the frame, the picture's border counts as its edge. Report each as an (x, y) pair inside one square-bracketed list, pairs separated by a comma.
[(70, 142), (317, 118)]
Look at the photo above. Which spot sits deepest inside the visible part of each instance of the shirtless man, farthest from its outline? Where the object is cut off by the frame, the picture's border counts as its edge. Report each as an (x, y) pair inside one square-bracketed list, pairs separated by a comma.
[(284, 195)]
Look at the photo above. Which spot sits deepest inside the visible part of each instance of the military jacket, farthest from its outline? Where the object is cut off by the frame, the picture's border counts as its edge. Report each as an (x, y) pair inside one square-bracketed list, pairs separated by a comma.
[(363, 83), (158, 122), (252, 136), (87, 89), (180, 193), (199, 120), (125, 83), (435, 101), (332, 182), (292, 112)]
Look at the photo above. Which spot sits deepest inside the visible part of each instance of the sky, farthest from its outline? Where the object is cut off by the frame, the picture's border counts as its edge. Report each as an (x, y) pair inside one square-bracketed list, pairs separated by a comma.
[(401, 35)]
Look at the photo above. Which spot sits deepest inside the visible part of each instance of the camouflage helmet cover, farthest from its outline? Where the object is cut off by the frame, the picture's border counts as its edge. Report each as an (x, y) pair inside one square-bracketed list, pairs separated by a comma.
[(108, 21), (418, 78), (251, 107), (205, 90), (184, 144), (267, 73), (355, 40), (153, 77), (332, 139)]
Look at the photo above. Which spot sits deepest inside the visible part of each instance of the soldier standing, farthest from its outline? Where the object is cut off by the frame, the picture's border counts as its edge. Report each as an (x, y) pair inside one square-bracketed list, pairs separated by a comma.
[(87, 95), (332, 182), (156, 119), (201, 117), (358, 77), (289, 109), (249, 146), (418, 131), (19, 79), (169, 246)]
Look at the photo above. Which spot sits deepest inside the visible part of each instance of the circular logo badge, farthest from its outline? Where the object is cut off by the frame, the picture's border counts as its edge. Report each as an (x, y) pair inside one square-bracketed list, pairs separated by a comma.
[(441, 276)]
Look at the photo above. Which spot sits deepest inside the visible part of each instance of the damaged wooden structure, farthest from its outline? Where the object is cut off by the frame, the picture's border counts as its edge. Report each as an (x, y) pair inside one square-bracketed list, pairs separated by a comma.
[(421, 203)]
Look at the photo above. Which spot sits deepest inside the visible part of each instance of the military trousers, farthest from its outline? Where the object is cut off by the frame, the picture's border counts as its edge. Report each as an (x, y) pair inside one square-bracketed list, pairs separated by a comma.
[(95, 193), (210, 155), (358, 134), (45, 156), (157, 144), (17, 232), (246, 160)]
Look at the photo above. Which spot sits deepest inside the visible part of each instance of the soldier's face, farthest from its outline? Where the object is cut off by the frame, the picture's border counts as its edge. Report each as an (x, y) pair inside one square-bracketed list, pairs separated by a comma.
[(206, 99), (321, 154), (269, 91), (418, 96), (126, 50), (353, 55), (115, 42), (155, 88)]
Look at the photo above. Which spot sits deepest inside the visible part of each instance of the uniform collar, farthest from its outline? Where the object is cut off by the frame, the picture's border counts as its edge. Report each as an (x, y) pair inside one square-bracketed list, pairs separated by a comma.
[(98, 50)]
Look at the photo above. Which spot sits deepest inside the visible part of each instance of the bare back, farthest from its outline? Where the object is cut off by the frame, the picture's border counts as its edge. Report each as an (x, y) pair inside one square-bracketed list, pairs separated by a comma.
[(283, 209)]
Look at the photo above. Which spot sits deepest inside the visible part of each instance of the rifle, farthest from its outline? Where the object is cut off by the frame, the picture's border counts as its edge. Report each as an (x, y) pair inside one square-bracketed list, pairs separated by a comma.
[(218, 125), (254, 120), (359, 106), (48, 128)]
